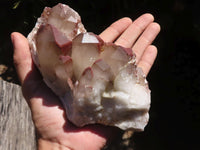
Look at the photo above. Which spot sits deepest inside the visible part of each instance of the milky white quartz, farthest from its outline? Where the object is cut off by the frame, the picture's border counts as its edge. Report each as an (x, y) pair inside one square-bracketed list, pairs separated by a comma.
[(97, 82)]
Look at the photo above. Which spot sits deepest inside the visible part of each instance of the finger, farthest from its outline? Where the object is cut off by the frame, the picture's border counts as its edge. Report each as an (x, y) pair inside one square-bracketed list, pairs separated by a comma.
[(22, 56), (114, 30), (24, 64), (128, 38), (146, 39), (148, 59)]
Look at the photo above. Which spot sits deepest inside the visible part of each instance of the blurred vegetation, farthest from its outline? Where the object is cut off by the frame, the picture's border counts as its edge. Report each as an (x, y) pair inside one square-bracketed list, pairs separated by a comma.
[(174, 78)]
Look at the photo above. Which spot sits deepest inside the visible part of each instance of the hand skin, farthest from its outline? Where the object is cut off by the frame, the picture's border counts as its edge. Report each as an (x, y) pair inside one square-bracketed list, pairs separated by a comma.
[(54, 130)]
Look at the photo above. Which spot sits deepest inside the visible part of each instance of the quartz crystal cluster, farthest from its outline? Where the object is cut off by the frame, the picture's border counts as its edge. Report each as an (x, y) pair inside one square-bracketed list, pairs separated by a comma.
[(97, 82)]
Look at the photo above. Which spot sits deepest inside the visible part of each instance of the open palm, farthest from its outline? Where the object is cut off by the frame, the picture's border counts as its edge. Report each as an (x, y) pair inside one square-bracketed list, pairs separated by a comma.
[(53, 128)]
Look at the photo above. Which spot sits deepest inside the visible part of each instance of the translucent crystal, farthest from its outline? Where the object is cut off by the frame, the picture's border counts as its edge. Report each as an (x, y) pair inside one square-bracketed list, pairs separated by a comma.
[(97, 82)]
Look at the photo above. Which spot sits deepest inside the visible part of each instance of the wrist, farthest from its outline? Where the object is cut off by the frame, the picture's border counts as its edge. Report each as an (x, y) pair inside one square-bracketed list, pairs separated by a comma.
[(50, 145)]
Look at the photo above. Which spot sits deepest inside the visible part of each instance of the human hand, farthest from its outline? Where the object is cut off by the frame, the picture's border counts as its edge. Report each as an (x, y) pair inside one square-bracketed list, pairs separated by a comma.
[(54, 130), (137, 35)]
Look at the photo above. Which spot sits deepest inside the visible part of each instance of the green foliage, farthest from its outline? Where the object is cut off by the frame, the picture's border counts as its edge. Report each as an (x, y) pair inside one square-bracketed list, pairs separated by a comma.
[(16, 4)]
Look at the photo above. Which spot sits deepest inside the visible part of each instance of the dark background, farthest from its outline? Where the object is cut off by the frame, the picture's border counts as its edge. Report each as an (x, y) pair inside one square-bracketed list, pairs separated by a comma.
[(174, 79)]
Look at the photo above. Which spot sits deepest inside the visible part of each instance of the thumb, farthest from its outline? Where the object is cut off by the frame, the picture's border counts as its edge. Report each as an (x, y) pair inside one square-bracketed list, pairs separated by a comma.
[(28, 75), (22, 57)]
